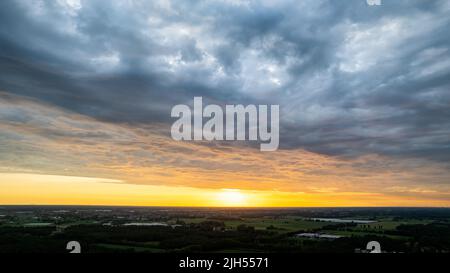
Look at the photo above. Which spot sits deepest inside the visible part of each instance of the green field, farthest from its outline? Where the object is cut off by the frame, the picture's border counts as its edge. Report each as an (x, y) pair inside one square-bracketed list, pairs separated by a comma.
[(388, 224), (293, 224), (282, 225)]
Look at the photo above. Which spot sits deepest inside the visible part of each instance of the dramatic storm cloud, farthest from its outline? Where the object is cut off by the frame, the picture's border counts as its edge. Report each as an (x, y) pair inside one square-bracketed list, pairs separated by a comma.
[(349, 78), (369, 85)]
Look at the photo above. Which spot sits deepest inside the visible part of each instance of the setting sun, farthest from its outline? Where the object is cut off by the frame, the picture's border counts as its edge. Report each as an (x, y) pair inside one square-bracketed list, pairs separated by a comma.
[(232, 198)]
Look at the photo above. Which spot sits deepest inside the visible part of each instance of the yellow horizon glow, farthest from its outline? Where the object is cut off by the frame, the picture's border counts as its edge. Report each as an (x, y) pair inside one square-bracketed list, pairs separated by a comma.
[(40, 189), (232, 198)]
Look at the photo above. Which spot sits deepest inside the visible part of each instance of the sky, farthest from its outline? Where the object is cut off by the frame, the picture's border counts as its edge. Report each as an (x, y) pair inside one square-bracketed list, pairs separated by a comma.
[(87, 88)]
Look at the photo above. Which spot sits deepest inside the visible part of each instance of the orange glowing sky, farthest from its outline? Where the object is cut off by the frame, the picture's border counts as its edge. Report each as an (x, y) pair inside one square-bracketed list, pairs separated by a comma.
[(54, 190), (87, 88), (142, 166)]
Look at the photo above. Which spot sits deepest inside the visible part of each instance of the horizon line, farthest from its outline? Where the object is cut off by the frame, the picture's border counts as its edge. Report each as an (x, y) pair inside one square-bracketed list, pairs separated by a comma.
[(219, 207)]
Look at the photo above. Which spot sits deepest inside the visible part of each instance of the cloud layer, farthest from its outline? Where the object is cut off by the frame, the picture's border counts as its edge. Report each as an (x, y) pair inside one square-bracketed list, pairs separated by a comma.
[(358, 86)]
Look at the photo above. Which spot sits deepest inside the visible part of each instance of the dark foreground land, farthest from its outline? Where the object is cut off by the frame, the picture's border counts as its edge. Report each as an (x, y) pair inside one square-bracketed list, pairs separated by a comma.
[(48, 229)]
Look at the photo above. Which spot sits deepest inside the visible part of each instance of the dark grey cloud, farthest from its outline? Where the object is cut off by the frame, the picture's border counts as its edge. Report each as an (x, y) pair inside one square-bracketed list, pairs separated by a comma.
[(350, 79)]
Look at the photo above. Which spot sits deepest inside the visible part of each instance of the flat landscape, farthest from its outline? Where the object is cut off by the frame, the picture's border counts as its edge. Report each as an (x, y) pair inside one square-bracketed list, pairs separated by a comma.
[(34, 229)]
